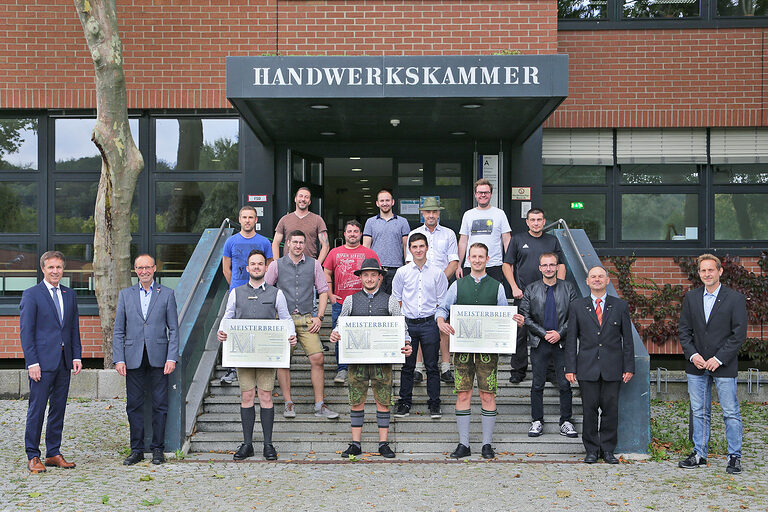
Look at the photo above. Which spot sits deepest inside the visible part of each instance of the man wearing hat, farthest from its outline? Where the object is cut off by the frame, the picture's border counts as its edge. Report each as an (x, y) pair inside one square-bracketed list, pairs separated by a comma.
[(370, 301), (443, 253)]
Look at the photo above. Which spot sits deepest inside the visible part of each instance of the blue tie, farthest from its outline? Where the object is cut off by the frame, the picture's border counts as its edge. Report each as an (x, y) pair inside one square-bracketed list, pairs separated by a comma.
[(56, 303)]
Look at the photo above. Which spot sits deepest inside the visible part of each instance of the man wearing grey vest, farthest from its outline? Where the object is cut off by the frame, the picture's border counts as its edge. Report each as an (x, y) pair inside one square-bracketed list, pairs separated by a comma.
[(298, 276), (370, 301), (256, 300), (477, 288)]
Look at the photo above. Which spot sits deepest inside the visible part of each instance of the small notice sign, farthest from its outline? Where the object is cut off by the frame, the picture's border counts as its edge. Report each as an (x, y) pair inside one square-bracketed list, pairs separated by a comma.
[(257, 198), (520, 194)]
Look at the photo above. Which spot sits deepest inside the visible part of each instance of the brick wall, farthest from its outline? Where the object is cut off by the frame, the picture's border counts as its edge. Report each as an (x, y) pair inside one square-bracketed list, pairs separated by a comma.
[(10, 344), (664, 78), (175, 50)]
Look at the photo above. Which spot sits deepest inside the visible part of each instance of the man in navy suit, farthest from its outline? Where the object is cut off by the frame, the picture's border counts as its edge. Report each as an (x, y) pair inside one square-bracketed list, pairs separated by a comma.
[(713, 326), (50, 339), (605, 358), (145, 347)]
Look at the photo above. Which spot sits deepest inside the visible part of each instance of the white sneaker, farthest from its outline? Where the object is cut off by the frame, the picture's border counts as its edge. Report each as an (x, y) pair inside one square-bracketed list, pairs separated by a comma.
[(536, 429), (229, 377), (341, 377), (325, 412), (289, 411), (567, 430)]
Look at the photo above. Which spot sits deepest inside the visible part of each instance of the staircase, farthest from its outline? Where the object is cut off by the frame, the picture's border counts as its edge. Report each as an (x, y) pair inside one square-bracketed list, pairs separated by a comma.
[(218, 426)]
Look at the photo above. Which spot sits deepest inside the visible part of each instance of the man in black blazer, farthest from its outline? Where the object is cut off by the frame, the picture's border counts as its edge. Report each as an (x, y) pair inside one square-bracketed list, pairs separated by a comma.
[(713, 326), (50, 339), (599, 352)]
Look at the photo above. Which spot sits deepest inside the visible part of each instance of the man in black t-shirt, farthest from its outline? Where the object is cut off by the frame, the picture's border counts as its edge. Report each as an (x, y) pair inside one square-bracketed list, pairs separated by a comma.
[(521, 268)]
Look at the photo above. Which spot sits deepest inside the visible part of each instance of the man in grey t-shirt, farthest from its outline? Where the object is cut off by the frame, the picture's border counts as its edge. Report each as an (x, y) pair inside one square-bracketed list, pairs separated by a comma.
[(387, 234)]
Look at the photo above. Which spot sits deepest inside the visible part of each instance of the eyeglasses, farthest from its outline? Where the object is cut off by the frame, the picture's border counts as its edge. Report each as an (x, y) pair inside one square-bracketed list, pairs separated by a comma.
[(145, 268), (483, 193)]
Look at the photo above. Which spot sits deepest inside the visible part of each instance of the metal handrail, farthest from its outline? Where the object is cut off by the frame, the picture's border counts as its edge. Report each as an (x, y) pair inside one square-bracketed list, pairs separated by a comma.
[(561, 222)]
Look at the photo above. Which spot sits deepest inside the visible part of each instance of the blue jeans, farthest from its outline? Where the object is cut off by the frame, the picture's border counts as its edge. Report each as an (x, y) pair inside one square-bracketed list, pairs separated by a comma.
[(700, 392), (335, 312)]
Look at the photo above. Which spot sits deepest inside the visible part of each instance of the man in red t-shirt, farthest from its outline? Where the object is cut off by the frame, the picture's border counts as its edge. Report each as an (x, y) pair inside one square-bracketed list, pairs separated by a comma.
[(339, 267)]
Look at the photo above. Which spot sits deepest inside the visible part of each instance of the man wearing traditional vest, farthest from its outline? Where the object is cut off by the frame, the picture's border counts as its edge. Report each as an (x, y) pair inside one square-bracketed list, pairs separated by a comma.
[(370, 301), (256, 300), (479, 289)]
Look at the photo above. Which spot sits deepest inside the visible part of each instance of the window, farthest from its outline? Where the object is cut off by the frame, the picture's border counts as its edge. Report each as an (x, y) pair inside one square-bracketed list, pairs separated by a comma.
[(659, 14), (582, 9), (410, 175), (579, 210), (448, 175), (192, 206), (660, 8), (18, 144), (195, 144), (741, 216), (742, 8), (74, 150), (18, 270), (659, 216), (18, 206)]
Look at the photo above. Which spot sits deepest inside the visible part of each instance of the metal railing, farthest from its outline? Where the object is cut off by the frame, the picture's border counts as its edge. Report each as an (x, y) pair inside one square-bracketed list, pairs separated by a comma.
[(569, 237)]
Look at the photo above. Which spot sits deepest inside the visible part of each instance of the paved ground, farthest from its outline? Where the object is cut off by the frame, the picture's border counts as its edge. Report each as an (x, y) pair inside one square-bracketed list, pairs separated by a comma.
[(96, 433)]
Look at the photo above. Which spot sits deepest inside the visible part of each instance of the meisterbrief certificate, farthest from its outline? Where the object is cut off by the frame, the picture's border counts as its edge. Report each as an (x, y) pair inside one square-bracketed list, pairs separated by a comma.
[(371, 339), (485, 329), (256, 343)]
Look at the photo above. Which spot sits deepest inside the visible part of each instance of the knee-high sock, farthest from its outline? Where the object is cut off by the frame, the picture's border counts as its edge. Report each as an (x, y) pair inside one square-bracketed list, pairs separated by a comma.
[(382, 419), (489, 421), (356, 418), (247, 419), (267, 416), (462, 421)]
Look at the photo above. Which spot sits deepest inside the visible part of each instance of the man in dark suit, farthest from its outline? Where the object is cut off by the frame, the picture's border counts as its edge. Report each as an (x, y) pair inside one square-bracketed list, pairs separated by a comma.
[(599, 352), (50, 339), (713, 326), (145, 347)]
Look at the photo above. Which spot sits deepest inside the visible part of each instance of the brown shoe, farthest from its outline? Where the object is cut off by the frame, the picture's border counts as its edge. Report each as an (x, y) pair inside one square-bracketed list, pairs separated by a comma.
[(58, 460), (35, 466)]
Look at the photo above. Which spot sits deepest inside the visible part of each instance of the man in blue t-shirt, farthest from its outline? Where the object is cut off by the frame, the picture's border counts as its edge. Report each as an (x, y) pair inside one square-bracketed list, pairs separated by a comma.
[(234, 263)]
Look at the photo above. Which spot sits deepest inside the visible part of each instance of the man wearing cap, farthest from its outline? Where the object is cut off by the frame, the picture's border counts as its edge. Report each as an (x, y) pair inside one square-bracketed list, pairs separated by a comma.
[(443, 253), (370, 301)]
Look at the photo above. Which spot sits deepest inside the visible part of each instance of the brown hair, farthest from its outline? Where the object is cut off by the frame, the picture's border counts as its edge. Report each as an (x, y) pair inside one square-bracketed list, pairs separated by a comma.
[(711, 257), (481, 181)]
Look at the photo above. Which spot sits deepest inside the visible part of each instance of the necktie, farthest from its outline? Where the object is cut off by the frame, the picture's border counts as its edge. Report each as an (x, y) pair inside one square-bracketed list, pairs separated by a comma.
[(599, 311), (56, 303)]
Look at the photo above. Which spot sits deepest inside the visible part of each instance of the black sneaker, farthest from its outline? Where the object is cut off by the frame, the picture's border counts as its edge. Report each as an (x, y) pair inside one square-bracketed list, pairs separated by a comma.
[(461, 451), (516, 378), (133, 458), (245, 451), (402, 411), (157, 456), (434, 412), (269, 452), (418, 377), (487, 452), (386, 451), (447, 377), (734, 465), (692, 461), (352, 450)]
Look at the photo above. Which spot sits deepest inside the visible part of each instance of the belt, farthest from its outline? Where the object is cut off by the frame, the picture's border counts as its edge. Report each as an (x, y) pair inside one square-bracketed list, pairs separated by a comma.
[(420, 320), (390, 268)]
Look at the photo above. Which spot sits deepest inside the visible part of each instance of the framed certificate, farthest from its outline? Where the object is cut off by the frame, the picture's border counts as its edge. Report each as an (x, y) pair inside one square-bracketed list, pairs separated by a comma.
[(486, 329), (371, 339), (256, 343)]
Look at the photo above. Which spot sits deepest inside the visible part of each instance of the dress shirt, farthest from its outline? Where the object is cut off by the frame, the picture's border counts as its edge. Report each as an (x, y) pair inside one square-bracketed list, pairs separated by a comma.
[(280, 304), (709, 301), (442, 247), (602, 301), (419, 289), (444, 309), (145, 297)]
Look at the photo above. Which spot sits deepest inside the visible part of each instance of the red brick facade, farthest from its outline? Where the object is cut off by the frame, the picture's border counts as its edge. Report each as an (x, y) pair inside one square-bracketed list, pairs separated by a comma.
[(10, 345)]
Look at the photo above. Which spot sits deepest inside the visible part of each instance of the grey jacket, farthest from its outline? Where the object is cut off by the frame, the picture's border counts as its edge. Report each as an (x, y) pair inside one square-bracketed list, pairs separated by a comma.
[(532, 308)]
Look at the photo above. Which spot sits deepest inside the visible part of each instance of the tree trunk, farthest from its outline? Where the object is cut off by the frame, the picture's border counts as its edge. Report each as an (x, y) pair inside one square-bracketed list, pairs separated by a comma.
[(121, 163)]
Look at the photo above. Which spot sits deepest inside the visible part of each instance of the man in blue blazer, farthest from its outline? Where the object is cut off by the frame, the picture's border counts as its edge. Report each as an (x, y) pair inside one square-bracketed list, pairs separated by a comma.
[(713, 326), (145, 347), (50, 339)]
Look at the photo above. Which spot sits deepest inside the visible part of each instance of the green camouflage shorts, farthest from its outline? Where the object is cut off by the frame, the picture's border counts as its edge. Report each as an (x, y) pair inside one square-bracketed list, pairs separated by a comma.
[(380, 377), (467, 365)]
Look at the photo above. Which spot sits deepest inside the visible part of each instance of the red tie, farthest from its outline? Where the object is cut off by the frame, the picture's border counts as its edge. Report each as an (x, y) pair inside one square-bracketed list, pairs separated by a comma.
[(599, 311)]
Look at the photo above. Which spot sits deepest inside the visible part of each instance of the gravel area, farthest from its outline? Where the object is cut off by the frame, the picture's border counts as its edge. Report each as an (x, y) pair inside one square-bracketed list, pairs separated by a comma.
[(96, 437)]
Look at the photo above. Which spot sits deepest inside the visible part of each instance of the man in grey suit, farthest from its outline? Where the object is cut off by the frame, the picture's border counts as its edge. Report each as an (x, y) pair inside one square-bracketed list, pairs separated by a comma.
[(145, 346)]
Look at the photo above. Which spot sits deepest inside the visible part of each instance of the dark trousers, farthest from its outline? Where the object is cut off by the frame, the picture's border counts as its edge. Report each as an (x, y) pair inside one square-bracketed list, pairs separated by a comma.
[(600, 395), (51, 391), (335, 312), (519, 361), (427, 336), (135, 383), (386, 282), (541, 357)]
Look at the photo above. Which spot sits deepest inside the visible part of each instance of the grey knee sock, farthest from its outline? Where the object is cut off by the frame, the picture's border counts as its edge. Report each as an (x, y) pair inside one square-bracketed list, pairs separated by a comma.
[(489, 421), (356, 418), (267, 417), (247, 419), (462, 421), (382, 419)]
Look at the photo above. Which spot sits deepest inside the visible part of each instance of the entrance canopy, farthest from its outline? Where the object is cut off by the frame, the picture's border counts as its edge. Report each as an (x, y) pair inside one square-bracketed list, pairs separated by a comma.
[(419, 98)]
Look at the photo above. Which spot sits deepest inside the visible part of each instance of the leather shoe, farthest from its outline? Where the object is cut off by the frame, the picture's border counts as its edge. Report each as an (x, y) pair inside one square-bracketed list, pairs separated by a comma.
[(157, 456), (461, 451), (245, 451), (591, 458), (35, 466), (386, 451), (610, 458), (133, 458), (515, 378), (488, 452), (58, 460), (269, 452)]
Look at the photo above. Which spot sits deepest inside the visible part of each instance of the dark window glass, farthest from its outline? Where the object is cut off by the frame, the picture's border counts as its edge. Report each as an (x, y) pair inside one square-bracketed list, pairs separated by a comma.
[(748, 174), (659, 216), (661, 8), (78, 273), (410, 175), (18, 268), (741, 216), (574, 174), (659, 174), (742, 8), (18, 207), (197, 144), (580, 211), (74, 202), (192, 206), (582, 9), (74, 149), (171, 260), (18, 145), (448, 175)]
